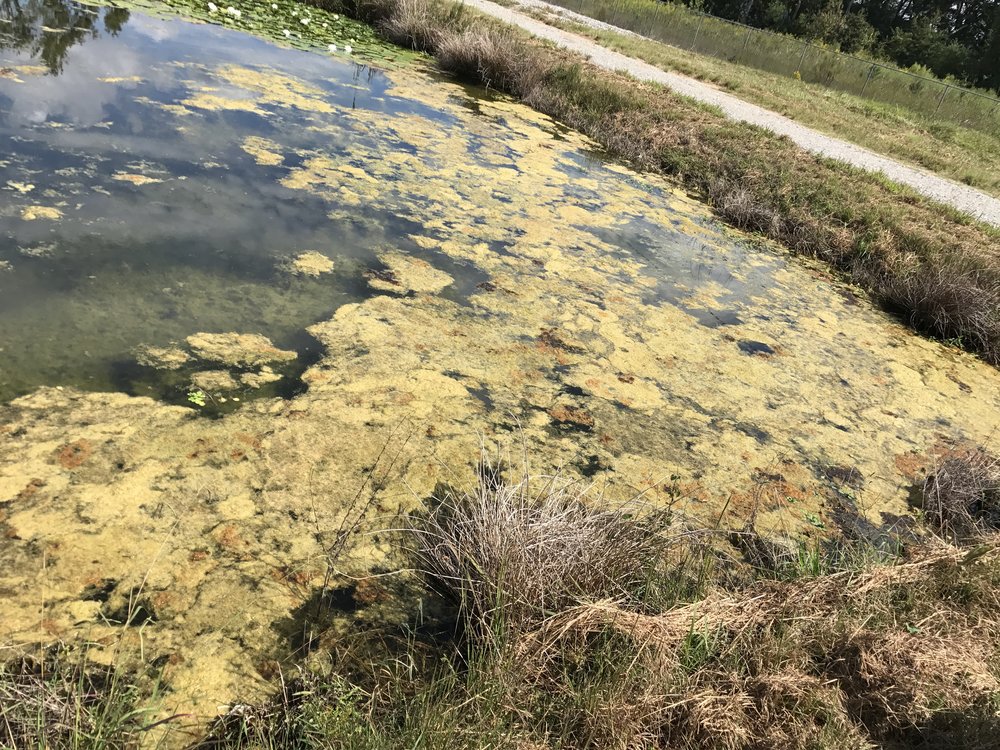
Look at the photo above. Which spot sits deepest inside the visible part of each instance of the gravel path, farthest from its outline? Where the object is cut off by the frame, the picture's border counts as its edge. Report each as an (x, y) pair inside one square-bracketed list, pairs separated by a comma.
[(962, 197)]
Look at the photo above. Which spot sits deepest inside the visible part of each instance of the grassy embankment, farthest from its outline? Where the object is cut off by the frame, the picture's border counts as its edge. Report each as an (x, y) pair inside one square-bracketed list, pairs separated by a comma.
[(533, 617), (935, 267), (916, 88), (948, 148)]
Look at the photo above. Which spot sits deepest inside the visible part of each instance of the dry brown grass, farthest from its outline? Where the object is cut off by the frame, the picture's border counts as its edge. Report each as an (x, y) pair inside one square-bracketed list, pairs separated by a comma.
[(821, 662), (510, 553), (408, 23), (487, 55), (962, 496)]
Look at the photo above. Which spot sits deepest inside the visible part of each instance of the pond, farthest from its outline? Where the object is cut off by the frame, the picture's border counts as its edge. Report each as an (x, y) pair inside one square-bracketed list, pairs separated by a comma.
[(367, 271)]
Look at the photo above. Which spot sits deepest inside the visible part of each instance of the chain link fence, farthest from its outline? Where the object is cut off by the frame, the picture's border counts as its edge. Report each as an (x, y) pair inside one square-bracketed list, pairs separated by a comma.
[(785, 55)]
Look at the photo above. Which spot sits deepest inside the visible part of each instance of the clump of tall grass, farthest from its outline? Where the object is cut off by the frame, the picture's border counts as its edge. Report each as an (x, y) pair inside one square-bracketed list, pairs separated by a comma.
[(961, 498), (509, 554)]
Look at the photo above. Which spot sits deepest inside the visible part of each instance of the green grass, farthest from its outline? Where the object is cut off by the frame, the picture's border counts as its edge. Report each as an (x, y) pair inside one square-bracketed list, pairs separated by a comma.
[(951, 150), (791, 57), (64, 699)]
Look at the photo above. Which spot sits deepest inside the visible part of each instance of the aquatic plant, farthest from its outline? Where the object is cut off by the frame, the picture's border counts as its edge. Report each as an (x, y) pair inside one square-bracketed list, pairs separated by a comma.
[(317, 31), (197, 397)]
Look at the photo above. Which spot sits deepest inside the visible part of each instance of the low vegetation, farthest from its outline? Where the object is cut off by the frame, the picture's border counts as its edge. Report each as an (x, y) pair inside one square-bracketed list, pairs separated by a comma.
[(866, 71), (950, 149), (935, 267), (60, 698), (961, 498), (541, 617)]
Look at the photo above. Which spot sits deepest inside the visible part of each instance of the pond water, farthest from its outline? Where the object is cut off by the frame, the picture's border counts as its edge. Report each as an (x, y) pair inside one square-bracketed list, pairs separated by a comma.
[(145, 200), (367, 271)]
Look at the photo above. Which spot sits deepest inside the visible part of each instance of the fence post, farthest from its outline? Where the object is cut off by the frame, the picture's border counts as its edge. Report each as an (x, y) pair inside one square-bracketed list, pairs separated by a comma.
[(871, 72), (802, 57), (944, 93), (745, 43), (697, 31)]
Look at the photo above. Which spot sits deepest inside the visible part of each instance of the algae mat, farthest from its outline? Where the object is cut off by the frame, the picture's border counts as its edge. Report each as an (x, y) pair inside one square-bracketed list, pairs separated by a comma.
[(467, 270)]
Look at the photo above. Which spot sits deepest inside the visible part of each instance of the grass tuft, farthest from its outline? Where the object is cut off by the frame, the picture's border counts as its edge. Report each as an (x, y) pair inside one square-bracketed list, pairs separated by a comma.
[(508, 554), (962, 497), (62, 699)]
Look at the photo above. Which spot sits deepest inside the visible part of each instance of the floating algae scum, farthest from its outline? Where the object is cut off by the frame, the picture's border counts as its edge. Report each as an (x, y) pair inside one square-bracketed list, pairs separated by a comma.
[(344, 257)]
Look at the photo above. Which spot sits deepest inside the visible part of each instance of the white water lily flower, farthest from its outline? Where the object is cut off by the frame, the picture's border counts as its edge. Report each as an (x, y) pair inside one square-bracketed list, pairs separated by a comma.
[(347, 48), (304, 21), (326, 25), (286, 32), (274, 6), (212, 7), (332, 47), (335, 17)]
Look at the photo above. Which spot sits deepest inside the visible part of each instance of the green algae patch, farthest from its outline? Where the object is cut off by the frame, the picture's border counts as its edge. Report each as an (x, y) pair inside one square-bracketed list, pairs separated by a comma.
[(50, 213), (265, 152), (404, 273), (162, 357), (310, 263)]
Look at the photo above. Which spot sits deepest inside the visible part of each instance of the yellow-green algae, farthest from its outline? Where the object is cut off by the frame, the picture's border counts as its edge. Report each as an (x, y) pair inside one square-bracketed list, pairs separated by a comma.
[(571, 345)]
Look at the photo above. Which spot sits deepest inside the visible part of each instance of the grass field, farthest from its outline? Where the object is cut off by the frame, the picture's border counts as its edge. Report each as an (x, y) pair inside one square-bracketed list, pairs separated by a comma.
[(960, 153), (792, 57)]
